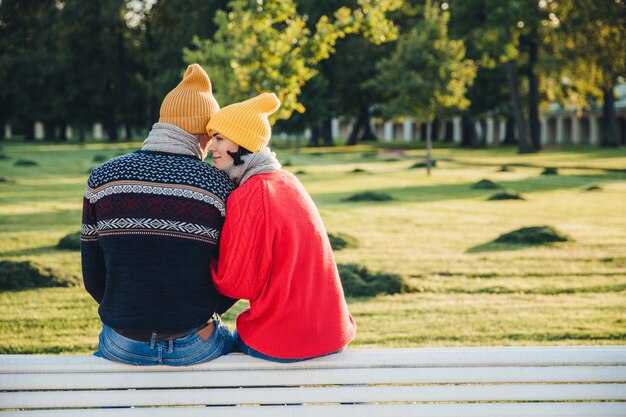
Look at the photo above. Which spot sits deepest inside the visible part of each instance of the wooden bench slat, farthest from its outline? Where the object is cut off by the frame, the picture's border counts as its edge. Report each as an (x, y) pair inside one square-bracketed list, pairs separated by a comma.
[(415, 357), (361, 394), (310, 377), (611, 409), (485, 382)]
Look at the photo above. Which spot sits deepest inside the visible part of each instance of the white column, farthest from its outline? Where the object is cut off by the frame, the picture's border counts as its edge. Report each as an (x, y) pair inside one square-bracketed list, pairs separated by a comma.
[(576, 137), (456, 129), (68, 132), (559, 130), (388, 131), (490, 131), (594, 130), (307, 133), (407, 129), (97, 130), (39, 133), (7, 131), (544, 130), (418, 132), (334, 127)]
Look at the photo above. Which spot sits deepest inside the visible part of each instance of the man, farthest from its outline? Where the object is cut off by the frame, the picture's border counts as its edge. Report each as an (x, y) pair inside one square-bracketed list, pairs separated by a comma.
[(151, 223)]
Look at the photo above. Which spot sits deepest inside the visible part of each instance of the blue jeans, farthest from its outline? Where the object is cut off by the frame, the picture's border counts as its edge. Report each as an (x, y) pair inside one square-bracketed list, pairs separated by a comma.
[(188, 350), (243, 348)]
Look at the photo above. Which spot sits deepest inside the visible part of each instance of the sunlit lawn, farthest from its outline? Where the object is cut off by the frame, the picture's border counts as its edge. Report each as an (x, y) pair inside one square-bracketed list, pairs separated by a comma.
[(436, 233)]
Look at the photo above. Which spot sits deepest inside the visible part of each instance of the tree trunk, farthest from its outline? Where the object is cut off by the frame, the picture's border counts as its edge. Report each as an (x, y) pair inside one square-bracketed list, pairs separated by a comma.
[(62, 132), (524, 143), (533, 93), (429, 154), (129, 130), (49, 129), (326, 129), (368, 133), (29, 134), (110, 126), (315, 136), (468, 131), (509, 132), (609, 119), (482, 139), (361, 129)]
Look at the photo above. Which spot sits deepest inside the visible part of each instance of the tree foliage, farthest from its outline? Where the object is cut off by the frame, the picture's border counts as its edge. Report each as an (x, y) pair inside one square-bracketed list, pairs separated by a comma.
[(588, 56), (268, 46), (427, 73)]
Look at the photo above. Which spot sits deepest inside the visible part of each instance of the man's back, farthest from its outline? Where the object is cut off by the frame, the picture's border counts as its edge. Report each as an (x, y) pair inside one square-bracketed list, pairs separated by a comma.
[(151, 222)]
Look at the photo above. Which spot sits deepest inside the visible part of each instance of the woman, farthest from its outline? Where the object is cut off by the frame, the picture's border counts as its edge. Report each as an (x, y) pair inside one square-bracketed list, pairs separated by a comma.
[(274, 250)]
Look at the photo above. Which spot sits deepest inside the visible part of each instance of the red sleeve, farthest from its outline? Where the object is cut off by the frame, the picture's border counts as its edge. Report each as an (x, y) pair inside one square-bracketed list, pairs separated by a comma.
[(245, 245)]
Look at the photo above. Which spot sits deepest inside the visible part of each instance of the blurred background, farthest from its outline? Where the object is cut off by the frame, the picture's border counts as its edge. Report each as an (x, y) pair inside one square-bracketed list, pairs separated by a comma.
[(472, 72), (467, 156)]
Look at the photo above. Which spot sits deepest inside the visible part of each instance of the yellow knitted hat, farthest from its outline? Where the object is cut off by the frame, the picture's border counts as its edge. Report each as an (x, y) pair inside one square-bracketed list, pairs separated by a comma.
[(191, 104), (246, 123)]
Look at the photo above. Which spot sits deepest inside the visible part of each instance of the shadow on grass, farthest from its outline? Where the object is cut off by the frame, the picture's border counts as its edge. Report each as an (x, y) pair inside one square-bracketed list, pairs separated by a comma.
[(429, 193)]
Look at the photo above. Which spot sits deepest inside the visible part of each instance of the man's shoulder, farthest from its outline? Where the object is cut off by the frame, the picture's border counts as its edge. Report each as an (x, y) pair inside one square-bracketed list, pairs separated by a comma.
[(159, 167)]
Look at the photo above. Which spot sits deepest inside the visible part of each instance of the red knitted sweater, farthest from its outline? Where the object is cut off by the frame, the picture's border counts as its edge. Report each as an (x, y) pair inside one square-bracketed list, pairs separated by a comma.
[(274, 251)]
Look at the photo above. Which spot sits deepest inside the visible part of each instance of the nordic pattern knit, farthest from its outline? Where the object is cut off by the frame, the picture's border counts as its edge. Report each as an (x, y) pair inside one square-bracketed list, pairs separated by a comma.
[(274, 251), (151, 223)]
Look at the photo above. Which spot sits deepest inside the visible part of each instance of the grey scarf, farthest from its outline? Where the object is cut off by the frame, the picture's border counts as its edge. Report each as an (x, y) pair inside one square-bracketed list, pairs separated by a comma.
[(255, 163), (165, 137)]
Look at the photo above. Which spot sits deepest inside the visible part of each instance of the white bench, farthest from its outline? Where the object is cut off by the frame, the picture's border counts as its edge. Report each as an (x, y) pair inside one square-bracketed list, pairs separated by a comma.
[(502, 382)]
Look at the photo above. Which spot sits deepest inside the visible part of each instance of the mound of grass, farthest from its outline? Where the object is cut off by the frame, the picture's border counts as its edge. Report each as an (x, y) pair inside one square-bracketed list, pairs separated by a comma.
[(505, 168), (25, 163), (533, 235), (485, 185), (70, 241), (287, 163), (358, 281), (301, 172), (3, 156), (358, 171), (550, 171), (416, 165), (100, 158), (22, 275), (341, 241), (506, 195), (369, 196), (5, 180), (593, 187)]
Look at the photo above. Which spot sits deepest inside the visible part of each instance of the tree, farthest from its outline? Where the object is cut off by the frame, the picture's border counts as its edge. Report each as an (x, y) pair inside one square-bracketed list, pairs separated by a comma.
[(27, 63), (503, 36), (427, 73), (589, 50), (271, 47)]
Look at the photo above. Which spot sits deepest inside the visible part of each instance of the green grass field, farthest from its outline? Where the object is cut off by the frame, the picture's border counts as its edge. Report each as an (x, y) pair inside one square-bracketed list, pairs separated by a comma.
[(436, 232)]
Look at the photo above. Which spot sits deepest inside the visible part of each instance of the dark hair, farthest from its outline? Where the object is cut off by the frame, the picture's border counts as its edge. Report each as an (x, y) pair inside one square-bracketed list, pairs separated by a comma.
[(237, 155)]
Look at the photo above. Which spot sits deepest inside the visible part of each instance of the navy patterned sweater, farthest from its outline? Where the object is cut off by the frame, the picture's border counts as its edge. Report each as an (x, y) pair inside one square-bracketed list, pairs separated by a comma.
[(151, 224)]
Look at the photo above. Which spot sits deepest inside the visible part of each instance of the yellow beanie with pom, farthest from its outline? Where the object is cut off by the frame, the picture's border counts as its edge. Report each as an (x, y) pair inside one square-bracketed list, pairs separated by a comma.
[(246, 123), (191, 104)]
